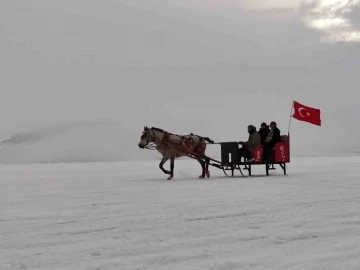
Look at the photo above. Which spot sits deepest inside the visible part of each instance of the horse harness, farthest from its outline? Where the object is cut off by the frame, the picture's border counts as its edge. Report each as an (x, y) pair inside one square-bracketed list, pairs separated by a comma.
[(185, 140)]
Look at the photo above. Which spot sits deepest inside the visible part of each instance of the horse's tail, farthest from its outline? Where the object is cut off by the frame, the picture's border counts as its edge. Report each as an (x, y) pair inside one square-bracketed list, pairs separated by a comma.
[(208, 140), (203, 138)]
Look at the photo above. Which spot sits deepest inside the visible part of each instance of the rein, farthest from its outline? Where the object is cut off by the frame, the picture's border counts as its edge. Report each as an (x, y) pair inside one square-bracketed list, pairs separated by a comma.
[(150, 146), (169, 143), (183, 138)]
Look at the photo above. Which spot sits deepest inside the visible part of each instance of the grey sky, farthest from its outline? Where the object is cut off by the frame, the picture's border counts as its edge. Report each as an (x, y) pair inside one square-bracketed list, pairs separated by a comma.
[(208, 67)]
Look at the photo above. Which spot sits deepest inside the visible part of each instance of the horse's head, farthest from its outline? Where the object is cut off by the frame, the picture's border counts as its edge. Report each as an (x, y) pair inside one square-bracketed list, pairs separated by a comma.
[(146, 138)]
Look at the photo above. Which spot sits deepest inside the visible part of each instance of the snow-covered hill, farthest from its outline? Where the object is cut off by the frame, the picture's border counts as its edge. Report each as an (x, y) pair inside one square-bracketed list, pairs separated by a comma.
[(75, 142)]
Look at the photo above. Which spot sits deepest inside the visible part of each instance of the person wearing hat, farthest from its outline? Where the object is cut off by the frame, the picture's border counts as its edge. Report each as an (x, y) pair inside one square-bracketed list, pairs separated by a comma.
[(248, 147), (272, 138), (263, 131)]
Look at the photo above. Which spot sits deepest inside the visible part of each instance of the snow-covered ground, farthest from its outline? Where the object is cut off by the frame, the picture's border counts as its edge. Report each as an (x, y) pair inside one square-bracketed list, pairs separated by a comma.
[(125, 215)]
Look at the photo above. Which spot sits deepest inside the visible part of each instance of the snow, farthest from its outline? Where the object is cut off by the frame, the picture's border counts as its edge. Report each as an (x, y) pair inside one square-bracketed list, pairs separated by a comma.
[(125, 215)]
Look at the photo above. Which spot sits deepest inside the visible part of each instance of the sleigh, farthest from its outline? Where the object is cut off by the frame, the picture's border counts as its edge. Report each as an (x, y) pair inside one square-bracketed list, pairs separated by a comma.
[(279, 155)]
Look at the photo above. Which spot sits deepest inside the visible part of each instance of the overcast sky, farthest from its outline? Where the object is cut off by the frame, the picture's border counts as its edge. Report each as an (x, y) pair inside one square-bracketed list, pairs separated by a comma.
[(211, 67)]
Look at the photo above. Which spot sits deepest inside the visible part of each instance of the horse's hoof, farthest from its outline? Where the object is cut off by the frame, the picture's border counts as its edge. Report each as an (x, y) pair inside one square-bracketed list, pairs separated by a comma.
[(201, 176), (208, 174), (169, 178)]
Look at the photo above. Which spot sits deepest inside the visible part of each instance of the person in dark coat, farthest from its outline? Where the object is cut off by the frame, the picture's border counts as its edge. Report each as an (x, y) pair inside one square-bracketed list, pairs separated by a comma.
[(248, 147), (263, 131), (272, 138)]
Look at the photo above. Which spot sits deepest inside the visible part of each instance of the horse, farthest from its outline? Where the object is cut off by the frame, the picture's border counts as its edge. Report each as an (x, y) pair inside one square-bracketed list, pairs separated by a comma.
[(172, 146)]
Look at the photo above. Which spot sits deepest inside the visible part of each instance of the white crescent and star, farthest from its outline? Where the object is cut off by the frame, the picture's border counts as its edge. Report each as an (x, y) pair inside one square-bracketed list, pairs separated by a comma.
[(303, 109)]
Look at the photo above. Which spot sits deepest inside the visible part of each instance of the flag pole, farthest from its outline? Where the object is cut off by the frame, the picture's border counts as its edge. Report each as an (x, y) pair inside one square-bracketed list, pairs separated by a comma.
[(291, 111)]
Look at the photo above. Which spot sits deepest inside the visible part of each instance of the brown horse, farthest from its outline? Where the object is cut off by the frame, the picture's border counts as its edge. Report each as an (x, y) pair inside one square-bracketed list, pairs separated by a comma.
[(172, 146)]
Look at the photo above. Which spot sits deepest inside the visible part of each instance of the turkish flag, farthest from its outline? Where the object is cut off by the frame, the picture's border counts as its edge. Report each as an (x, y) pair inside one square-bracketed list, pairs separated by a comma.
[(306, 114)]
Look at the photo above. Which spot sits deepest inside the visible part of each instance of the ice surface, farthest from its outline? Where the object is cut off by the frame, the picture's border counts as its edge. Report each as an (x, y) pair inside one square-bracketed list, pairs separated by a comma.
[(125, 215)]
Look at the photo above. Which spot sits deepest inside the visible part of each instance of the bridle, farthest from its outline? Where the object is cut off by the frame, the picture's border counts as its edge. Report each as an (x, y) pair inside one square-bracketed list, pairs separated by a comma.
[(150, 136)]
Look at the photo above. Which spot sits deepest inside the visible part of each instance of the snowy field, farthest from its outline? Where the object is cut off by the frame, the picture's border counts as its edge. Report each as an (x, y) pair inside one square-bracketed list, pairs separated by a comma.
[(127, 216)]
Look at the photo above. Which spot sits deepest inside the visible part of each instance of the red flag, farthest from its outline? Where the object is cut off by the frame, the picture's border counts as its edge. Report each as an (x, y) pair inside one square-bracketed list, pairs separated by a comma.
[(306, 114)]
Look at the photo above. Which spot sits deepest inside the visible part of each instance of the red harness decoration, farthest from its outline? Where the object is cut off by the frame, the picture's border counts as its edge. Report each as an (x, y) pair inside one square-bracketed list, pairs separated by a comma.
[(186, 146), (187, 143)]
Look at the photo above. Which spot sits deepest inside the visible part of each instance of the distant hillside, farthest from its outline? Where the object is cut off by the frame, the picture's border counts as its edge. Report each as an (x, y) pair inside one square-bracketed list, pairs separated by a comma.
[(76, 142)]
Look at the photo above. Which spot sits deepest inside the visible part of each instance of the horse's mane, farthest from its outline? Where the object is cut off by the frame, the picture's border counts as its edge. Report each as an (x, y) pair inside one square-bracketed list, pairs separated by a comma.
[(158, 129), (161, 130)]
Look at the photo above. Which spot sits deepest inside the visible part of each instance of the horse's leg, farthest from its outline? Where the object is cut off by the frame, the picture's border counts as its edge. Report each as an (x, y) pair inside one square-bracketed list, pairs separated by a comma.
[(202, 166), (161, 165), (172, 161), (207, 162)]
